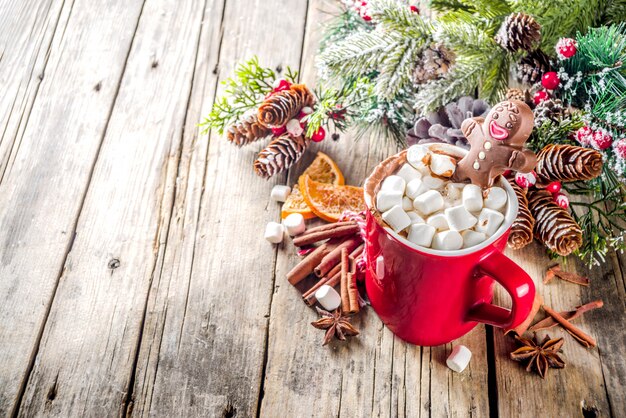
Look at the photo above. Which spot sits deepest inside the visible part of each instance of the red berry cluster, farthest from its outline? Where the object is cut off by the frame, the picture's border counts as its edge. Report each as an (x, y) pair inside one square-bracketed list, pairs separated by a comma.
[(599, 139), (528, 180), (566, 48)]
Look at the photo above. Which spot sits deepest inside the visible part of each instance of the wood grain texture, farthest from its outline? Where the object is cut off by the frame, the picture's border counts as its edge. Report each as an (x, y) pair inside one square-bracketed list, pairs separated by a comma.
[(42, 192)]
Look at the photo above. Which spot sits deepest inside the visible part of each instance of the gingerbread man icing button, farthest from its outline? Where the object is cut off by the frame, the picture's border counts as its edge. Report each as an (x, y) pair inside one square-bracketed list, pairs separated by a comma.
[(497, 144)]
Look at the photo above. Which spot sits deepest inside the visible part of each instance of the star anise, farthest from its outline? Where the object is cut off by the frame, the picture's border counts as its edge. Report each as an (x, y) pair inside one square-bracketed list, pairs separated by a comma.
[(336, 325), (540, 356)]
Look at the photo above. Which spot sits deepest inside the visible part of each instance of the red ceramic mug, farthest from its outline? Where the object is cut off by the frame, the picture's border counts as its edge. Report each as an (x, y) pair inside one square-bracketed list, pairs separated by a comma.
[(431, 297)]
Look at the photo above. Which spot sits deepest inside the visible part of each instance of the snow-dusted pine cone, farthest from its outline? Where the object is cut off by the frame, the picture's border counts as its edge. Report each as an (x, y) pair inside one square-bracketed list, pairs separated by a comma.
[(284, 105), (247, 130), (549, 110), (280, 154), (531, 67), (522, 229), (444, 125), (566, 163), (433, 63), (521, 95), (519, 31), (554, 226)]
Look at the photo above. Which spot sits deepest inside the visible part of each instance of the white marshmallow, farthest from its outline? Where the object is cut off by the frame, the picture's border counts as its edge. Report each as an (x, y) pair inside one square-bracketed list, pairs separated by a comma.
[(495, 198), (380, 267), (432, 182), (459, 358), (472, 198), (294, 224), (442, 165), (280, 193), (459, 218), (386, 199), (438, 221), (407, 204), (328, 297), (418, 156), (415, 188), (472, 238), (408, 173), (451, 203), (489, 221), (452, 192), (393, 184), (415, 218), (421, 234), (447, 240), (428, 202), (274, 232), (396, 218)]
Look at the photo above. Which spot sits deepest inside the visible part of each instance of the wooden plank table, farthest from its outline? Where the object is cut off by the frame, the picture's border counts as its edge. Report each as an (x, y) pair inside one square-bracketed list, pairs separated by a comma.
[(134, 279)]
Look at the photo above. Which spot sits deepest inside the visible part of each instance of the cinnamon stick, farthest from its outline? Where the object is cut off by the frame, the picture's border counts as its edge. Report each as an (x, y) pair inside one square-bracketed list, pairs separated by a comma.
[(331, 259), (354, 254), (578, 334), (353, 291), (549, 322), (345, 270), (306, 266), (312, 237), (324, 280), (555, 271)]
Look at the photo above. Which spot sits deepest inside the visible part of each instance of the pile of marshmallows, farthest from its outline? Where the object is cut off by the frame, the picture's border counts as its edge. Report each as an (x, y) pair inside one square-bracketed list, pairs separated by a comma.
[(293, 223), (420, 203)]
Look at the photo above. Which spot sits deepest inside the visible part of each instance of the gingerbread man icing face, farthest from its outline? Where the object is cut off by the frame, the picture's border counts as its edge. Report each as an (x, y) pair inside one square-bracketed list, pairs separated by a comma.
[(497, 144)]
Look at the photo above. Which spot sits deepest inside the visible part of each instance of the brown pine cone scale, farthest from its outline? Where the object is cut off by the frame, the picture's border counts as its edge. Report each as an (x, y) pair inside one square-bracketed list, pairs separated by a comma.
[(522, 229), (247, 130), (567, 163), (280, 154), (554, 226), (279, 108)]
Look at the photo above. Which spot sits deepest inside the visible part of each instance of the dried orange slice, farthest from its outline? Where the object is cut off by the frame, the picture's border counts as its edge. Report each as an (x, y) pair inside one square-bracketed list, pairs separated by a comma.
[(324, 170), (296, 204), (328, 201)]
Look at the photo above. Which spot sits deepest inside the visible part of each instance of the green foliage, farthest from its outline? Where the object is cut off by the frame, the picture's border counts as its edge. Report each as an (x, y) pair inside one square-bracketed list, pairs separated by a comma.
[(345, 23), (555, 132), (243, 92), (329, 107)]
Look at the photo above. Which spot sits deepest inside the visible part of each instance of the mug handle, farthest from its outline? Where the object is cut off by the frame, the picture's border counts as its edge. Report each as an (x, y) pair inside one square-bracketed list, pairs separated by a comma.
[(515, 281)]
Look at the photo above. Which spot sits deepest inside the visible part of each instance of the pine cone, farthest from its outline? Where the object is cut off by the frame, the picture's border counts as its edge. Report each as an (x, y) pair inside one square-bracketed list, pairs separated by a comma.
[(531, 67), (567, 163), (549, 110), (280, 154), (444, 125), (433, 63), (284, 105), (521, 95), (522, 229), (247, 130), (554, 226), (519, 31)]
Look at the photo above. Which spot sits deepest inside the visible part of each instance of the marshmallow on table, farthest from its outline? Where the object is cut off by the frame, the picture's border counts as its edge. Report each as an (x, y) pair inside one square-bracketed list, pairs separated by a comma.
[(415, 188), (495, 198), (447, 240), (442, 165), (421, 234), (407, 204), (408, 173), (418, 156), (489, 221), (294, 224), (472, 238), (459, 218), (328, 297), (280, 193), (459, 358), (274, 232), (396, 218), (428, 202), (386, 199), (393, 184), (472, 198), (415, 218), (438, 221), (432, 182)]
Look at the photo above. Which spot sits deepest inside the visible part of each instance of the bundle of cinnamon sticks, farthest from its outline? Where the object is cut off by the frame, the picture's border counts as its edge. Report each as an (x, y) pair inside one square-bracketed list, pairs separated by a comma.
[(333, 262)]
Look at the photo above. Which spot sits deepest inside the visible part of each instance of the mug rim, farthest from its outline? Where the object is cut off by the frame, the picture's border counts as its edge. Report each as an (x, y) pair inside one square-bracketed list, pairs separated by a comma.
[(509, 216)]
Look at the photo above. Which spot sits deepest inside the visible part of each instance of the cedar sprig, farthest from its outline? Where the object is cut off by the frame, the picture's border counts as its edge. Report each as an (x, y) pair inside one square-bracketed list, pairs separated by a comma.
[(344, 23), (331, 110), (556, 131), (242, 92)]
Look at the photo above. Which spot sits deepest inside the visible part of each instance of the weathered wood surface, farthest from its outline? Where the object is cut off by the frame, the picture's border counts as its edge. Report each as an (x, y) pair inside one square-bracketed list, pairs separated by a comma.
[(134, 279)]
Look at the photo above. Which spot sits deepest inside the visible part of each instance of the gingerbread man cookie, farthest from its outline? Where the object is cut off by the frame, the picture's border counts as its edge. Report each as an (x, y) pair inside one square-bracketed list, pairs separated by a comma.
[(497, 144)]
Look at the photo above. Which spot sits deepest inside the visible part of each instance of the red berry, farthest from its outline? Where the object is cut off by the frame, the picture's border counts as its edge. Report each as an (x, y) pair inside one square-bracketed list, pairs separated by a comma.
[(620, 148), (601, 140), (279, 131), (415, 9), (561, 200), (526, 180), (281, 85), (583, 135), (566, 48), (554, 187), (540, 96), (318, 135), (366, 17), (506, 173), (550, 80)]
